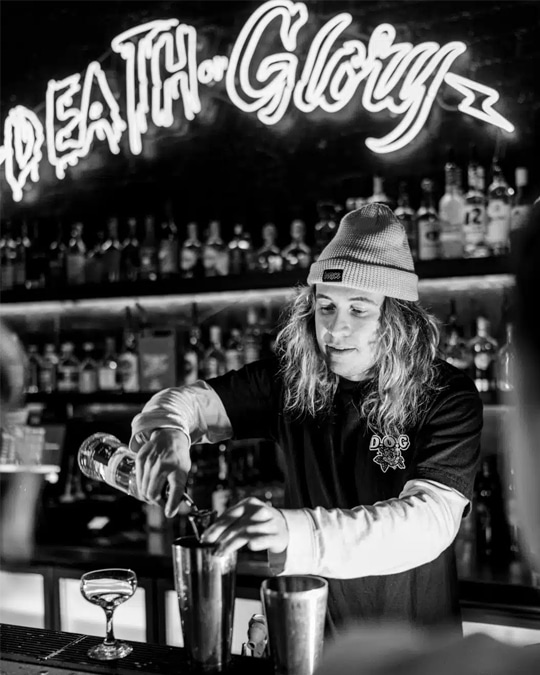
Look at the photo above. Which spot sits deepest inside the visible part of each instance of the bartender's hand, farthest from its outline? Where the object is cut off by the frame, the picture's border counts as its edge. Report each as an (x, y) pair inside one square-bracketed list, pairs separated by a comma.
[(250, 522), (164, 458)]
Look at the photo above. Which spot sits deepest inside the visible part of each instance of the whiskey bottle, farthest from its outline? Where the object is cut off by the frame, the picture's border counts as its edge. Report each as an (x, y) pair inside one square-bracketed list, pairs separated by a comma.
[(128, 358), (76, 256), (234, 350), (168, 252), (130, 256), (148, 251), (215, 256), (214, 358), (428, 224), (112, 250), (68, 369), (474, 220), (406, 214), (297, 255), (108, 368), (47, 370), (522, 206), (483, 348), (499, 207), (190, 253), (193, 357), (240, 251), (268, 257), (88, 375), (451, 212)]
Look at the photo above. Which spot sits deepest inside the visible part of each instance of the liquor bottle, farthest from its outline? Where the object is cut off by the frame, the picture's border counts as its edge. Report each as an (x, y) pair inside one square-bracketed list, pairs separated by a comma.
[(168, 251), (148, 251), (130, 257), (297, 255), (20, 261), (240, 251), (379, 196), (67, 371), (234, 350), (522, 206), (268, 258), (325, 227), (33, 367), (215, 255), (252, 337), (214, 359), (88, 374), (57, 258), (499, 209), (95, 262), (428, 224), (108, 368), (193, 357), (128, 358), (47, 370), (455, 349), (451, 212), (76, 256), (190, 253), (483, 348), (406, 214), (221, 494), (491, 527), (474, 219), (7, 257), (505, 362), (38, 262), (112, 251)]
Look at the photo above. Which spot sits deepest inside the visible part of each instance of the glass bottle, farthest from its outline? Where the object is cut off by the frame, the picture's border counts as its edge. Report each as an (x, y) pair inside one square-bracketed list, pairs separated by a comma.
[(428, 224), (379, 196), (268, 257), (221, 494), (112, 251), (406, 214), (108, 367), (451, 212), (483, 348), (57, 258), (33, 368), (130, 256), (193, 356), (190, 253), (21, 259), (76, 256), (128, 359), (148, 251), (214, 358), (95, 262), (88, 374), (493, 545), (215, 255), (474, 219), (47, 370), (7, 257), (325, 227), (505, 362), (240, 251), (168, 252), (252, 337), (234, 350), (38, 262), (499, 207), (297, 255), (67, 371), (455, 350), (522, 206)]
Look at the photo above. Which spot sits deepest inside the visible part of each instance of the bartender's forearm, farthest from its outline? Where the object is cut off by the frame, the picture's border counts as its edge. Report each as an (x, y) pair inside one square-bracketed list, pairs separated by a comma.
[(195, 409), (389, 537)]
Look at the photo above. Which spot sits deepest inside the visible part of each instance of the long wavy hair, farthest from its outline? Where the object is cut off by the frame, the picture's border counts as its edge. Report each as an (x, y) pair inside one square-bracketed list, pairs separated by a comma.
[(400, 383)]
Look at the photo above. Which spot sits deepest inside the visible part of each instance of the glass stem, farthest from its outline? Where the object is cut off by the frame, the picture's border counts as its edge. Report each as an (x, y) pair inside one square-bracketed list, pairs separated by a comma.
[(109, 639)]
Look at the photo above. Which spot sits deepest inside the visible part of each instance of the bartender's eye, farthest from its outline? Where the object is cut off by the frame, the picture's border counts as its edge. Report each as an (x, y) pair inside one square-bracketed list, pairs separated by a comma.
[(326, 309), (358, 311)]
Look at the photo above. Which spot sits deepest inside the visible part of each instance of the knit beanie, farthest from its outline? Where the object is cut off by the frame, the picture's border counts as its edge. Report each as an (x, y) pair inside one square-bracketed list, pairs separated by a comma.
[(369, 252)]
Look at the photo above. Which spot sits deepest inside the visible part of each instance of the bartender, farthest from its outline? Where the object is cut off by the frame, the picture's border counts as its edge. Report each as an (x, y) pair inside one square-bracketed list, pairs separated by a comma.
[(381, 437)]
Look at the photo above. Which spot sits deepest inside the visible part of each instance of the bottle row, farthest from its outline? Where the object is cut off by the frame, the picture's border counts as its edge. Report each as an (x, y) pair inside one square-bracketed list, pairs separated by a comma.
[(471, 224)]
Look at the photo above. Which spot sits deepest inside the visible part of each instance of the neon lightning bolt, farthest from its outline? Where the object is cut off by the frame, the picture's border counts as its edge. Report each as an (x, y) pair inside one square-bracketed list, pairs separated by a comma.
[(469, 89)]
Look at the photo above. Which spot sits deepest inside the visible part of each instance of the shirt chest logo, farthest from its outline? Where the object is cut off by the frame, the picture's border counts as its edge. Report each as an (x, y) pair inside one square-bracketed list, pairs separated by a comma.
[(389, 449)]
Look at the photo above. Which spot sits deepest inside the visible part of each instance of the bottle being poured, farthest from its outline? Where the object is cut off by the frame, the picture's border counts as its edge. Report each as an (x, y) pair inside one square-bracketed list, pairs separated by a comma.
[(105, 458)]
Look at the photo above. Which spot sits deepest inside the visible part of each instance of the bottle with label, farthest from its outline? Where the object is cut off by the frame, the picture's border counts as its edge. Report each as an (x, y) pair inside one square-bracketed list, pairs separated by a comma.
[(95, 261), (130, 256), (108, 379), (297, 255), (214, 358), (37, 263), (67, 372), (193, 356), (20, 262), (190, 253), (88, 374), (76, 256), (57, 258), (252, 337), (221, 494), (215, 255), (7, 257), (455, 349), (112, 249), (428, 225), (522, 206), (168, 252), (505, 363), (452, 212), (499, 210), (406, 214), (483, 349), (474, 219), (379, 196), (234, 350), (32, 369), (47, 370), (128, 358), (268, 258), (148, 251), (325, 227), (240, 251)]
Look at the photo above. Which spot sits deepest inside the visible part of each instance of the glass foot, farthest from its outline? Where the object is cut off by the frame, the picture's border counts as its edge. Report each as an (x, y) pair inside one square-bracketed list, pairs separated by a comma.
[(105, 652)]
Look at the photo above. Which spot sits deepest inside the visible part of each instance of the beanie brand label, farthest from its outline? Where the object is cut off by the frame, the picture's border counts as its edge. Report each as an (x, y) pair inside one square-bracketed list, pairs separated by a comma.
[(332, 275)]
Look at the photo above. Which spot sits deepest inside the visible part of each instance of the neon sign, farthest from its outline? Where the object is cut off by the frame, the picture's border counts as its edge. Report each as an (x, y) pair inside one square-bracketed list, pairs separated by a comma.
[(162, 77)]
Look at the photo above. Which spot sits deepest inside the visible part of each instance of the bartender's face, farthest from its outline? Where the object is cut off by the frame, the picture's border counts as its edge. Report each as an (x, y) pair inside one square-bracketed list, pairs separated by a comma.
[(346, 323)]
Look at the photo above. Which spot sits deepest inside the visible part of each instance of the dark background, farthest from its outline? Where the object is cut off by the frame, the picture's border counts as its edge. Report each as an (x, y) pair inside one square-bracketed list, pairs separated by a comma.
[(226, 164)]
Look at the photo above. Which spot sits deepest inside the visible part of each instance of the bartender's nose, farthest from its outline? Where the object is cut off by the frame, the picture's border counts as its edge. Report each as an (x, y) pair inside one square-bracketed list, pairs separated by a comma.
[(339, 324)]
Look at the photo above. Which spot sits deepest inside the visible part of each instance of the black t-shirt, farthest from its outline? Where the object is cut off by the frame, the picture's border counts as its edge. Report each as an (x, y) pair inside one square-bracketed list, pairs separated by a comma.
[(336, 462)]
